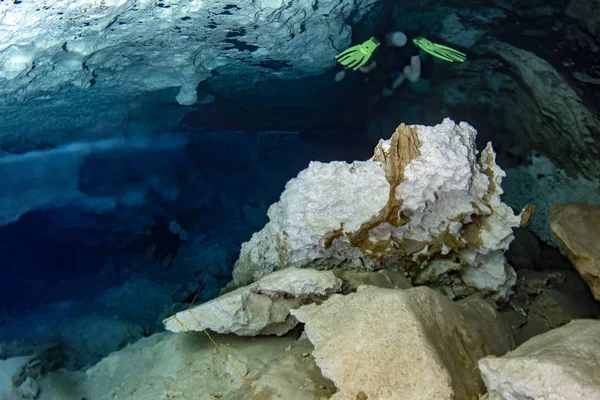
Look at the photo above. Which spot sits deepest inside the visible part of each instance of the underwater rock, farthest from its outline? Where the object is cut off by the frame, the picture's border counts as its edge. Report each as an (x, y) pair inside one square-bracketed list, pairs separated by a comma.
[(576, 228), (552, 309), (423, 203), (563, 363), (37, 365), (262, 308), (547, 299), (167, 366), (403, 344), (18, 375), (29, 389), (384, 279), (533, 283), (8, 368)]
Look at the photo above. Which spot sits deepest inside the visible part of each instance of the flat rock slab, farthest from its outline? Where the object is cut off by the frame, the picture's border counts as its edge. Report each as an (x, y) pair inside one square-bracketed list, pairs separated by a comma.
[(188, 367), (576, 228), (403, 344), (561, 364), (262, 308)]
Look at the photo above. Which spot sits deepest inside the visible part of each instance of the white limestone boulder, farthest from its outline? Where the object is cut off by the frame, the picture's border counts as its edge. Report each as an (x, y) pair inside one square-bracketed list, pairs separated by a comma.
[(561, 364), (262, 308), (384, 344), (424, 202)]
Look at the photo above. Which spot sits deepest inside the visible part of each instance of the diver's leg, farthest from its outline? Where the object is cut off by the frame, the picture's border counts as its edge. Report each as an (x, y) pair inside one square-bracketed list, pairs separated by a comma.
[(341, 74), (412, 72), (396, 83), (368, 68)]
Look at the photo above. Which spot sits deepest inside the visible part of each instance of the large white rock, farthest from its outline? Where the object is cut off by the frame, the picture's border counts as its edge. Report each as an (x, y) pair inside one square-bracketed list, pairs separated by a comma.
[(424, 201), (262, 308), (389, 344), (561, 364)]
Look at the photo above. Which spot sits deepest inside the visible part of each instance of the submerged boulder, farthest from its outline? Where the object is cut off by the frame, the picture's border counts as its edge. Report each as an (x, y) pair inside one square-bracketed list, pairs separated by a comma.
[(424, 202), (403, 344)]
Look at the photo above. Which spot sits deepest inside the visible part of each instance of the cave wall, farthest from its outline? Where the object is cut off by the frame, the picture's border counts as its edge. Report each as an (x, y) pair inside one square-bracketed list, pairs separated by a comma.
[(80, 70)]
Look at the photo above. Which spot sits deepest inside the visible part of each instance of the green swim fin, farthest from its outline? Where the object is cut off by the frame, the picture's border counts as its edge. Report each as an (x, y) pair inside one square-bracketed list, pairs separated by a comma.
[(440, 51), (357, 56)]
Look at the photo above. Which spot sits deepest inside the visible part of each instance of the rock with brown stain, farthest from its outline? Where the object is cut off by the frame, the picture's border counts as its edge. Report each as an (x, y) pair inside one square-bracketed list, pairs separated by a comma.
[(424, 203)]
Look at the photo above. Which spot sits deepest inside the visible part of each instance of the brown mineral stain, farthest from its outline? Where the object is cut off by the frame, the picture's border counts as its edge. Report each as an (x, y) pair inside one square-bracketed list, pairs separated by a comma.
[(404, 148)]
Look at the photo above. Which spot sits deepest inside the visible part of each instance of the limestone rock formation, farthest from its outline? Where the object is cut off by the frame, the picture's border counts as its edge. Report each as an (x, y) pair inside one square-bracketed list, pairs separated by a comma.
[(423, 202), (403, 344), (258, 309), (576, 228), (561, 364)]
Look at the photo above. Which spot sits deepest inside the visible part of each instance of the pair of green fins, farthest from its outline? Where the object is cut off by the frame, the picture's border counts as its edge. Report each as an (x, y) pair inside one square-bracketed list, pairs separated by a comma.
[(357, 56)]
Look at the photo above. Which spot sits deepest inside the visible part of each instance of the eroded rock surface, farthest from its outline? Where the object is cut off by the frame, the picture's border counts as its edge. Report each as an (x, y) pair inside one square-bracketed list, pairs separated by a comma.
[(403, 344), (423, 202)]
